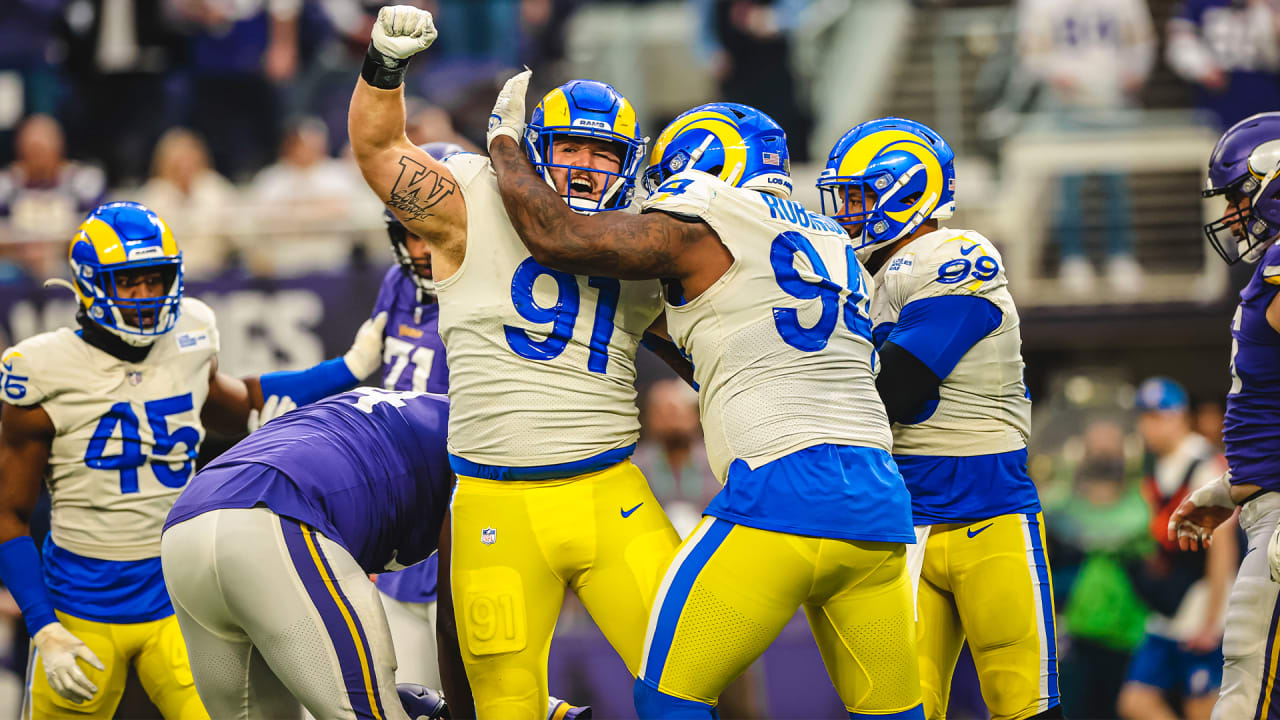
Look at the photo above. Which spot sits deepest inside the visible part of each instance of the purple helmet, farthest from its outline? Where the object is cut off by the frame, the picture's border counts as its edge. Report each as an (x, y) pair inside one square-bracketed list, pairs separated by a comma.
[(1244, 164), (419, 271)]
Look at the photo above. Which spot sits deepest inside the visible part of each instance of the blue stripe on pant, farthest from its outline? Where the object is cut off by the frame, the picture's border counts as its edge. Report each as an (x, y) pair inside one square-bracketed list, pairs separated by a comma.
[(1046, 607), (343, 625), (672, 602)]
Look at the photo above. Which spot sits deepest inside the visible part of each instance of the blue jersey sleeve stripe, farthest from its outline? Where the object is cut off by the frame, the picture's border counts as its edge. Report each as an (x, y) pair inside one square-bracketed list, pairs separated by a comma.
[(940, 330)]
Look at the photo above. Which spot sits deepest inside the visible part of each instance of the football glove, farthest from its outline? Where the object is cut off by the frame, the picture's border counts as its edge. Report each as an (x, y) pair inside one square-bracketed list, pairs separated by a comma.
[(365, 356), (59, 650), (403, 31), (508, 112), (272, 408), (421, 702)]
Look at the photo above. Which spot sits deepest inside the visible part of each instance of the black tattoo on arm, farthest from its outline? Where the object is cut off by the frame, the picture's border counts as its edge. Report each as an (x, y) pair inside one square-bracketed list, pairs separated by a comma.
[(615, 244), (418, 189)]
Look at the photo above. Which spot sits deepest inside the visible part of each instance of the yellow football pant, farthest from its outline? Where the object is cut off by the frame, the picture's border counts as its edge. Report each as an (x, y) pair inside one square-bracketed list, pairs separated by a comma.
[(731, 589), (155, 649), (518, 544), (989, 581)]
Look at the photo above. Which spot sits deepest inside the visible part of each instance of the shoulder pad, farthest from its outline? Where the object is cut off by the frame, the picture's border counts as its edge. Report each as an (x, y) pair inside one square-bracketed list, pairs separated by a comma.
[(19, 384), (466, 166), (956, 263), (688, 193), (197, 329)]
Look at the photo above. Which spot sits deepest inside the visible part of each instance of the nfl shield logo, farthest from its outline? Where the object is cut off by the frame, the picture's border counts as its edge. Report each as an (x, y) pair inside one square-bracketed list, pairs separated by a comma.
[(488, 536), (135, 377)]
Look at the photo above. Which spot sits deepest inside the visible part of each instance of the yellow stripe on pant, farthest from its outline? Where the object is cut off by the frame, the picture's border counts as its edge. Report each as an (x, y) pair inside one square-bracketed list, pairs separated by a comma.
[(518, 544)]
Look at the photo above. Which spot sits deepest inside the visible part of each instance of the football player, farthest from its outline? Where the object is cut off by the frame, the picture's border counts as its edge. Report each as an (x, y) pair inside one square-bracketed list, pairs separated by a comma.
[(1243, 170), (541, 384), (111, 416), (951, 381), (413, 359), (764, 298)]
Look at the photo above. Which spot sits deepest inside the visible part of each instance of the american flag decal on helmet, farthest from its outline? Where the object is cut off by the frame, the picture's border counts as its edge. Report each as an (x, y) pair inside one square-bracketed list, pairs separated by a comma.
[(771, 158)]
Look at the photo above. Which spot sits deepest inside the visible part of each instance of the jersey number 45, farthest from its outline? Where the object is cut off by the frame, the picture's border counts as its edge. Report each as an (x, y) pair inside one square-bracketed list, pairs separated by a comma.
[(131, 456)]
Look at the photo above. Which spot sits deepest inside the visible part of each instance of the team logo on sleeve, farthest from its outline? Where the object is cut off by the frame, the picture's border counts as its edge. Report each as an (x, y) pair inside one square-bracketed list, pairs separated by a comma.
[(488, 536)]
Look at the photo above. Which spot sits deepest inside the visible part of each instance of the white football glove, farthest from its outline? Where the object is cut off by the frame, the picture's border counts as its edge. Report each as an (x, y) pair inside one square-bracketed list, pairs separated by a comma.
[(508, 112), (403, 31), (58, 649), (365, 356), (272, 408)]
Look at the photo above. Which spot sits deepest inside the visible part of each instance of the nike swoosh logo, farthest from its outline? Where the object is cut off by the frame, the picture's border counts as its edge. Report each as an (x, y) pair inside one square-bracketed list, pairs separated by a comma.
[(1246, 552), (967, 250), (974, 533), (627, 513)]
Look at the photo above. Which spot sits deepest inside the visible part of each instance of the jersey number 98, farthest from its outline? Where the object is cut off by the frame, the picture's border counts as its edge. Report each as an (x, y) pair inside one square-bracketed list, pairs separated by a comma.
[(857, 317)]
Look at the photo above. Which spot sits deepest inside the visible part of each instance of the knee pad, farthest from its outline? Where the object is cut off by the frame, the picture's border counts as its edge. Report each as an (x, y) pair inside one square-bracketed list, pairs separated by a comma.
[(652, 704)]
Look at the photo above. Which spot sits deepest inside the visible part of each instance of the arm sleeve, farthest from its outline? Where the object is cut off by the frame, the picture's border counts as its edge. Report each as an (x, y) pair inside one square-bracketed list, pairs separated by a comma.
[(905, 383), (939, 330)]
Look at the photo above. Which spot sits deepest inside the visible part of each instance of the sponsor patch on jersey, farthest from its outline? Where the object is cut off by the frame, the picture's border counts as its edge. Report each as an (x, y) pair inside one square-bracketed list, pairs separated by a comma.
[(409, 331), (488, 536), (1271, 274), (902, 263), (194, 340)]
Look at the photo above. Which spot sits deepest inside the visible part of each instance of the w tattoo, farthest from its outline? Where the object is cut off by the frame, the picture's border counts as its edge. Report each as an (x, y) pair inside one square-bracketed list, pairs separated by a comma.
[(418, 189)]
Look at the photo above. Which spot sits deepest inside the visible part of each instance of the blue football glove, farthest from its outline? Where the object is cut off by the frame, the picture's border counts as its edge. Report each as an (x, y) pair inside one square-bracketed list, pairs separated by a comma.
[(421, 702)]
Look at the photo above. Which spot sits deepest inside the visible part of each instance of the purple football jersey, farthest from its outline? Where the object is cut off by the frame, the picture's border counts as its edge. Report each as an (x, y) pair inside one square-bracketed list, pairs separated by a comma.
[(367, 468), (1251, 429), (412, 354), (413, 359)]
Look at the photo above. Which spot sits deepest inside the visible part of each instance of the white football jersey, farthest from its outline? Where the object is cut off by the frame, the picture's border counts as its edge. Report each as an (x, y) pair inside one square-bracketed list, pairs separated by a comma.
[(541, 363), (983, 406), (781, 343), (127, 433)]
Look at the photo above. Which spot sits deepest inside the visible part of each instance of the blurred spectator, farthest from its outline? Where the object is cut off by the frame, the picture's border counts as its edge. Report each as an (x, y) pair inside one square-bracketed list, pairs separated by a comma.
[(1208, 422), (118, 55), (1094, 57), (673, 456), (1093, 533), (307, 207), (197, 202), (239, 50), (28, 70), (1228, 49), (43, 195), (1181, 653), (428, 124), (753, 61)]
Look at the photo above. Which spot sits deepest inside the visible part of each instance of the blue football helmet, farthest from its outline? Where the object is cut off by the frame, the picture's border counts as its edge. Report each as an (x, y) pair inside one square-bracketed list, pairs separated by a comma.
[(1245, 163), (587, 108), (116, 239), (736, 143), (904, 165), (418, 271)]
